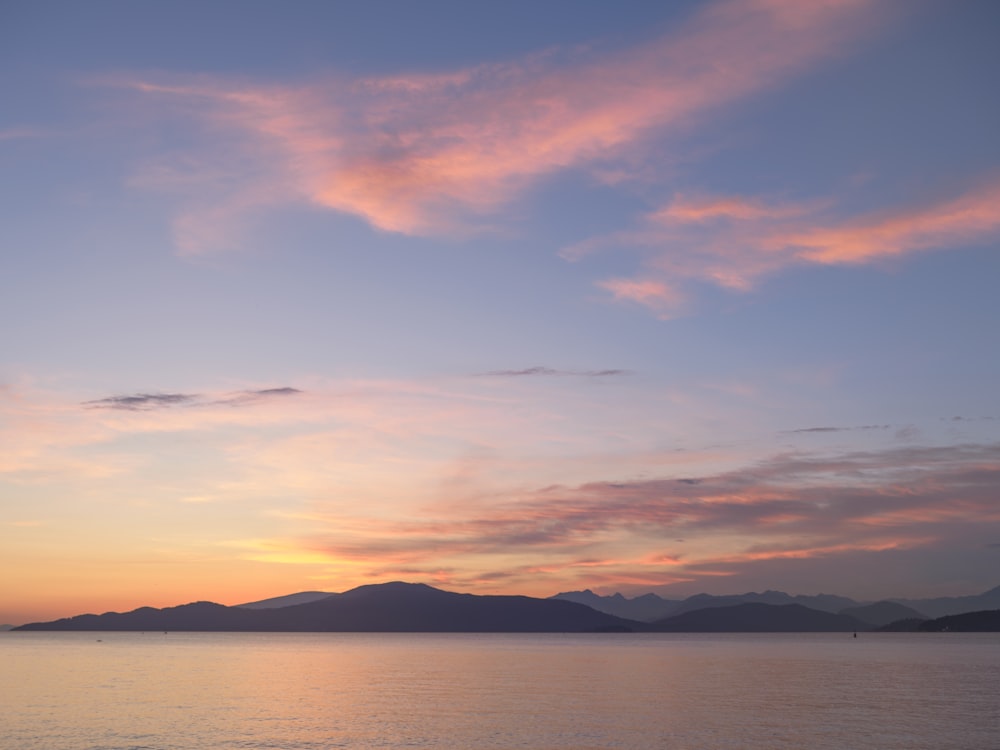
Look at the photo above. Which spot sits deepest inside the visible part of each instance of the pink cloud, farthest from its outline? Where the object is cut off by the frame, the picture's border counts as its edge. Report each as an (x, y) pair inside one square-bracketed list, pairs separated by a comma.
[(687, 209), (970, 217), (733, 242), (431, 153), (653, 293)]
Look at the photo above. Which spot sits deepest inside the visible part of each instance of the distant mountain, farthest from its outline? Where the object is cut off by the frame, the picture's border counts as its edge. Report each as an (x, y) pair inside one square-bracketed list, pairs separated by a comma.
[(755, 617), (645, 608), (6, 627), (408, 607), (290, 600), (405, 607), (822, 602), (906, 625), (650, 607), (194, 616), (387, 607), (883, 613), (987, 621), (954, 605)]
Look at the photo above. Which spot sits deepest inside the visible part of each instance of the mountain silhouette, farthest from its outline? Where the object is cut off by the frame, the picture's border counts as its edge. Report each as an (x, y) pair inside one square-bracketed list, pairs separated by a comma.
[(883, 613), (955, 605), (416, 607), (645, 608), (386, 607), (822, 602), (194, 616), (987, 621), (755, 617), (650, 607), (303, 597)]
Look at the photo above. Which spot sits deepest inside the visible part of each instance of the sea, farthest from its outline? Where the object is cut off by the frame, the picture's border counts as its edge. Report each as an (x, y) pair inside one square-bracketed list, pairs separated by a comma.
[(293, 691)]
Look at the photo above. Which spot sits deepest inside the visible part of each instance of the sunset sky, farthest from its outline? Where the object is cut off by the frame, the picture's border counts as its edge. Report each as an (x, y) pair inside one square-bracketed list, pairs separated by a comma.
[(509, 297)]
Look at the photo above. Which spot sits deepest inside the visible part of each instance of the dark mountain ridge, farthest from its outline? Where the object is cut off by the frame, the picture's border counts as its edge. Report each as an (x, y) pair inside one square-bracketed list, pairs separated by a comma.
[(986, 621), (757, 617), (882, 613), (645, 608), (954, 605), (302, 597), (651, 607), (387, 607), (409, 607)]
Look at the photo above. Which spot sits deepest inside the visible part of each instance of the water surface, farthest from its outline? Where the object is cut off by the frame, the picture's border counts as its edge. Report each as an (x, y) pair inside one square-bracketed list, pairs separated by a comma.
[(218, 691)]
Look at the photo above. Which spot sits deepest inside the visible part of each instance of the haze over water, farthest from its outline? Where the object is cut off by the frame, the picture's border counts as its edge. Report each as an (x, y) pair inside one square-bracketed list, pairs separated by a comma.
[(197, 691)]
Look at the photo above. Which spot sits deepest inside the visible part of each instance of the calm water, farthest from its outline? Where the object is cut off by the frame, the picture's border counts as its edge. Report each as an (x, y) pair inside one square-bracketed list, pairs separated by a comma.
[(197, 691)]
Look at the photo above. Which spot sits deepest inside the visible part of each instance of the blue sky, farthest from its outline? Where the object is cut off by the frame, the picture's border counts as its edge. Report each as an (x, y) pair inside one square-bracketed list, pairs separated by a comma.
[(499, 297)]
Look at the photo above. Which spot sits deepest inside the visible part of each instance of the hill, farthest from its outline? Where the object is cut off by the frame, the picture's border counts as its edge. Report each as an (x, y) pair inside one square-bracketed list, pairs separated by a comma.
[(955, 605), (289, 600), (987, 621), (650, 607), (822, 602), (405, 607), (883, 613), (206, 616), (645, 608), (387, 607), (755, 617)]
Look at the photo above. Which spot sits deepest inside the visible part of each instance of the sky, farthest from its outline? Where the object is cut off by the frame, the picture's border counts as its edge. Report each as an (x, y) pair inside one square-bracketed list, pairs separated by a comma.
[(500, 297)]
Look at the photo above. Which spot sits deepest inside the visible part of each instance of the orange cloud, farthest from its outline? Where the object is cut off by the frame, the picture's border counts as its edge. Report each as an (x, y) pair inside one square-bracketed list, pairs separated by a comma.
[(426, 153)]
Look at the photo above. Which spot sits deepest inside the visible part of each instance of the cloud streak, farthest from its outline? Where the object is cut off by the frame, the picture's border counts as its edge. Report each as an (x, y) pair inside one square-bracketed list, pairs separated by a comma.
[(733, 242), (434, 153), (816, 430), (487, 484), (787, 508), (154, 401), (143, 401), (551, 372), (247, 398)]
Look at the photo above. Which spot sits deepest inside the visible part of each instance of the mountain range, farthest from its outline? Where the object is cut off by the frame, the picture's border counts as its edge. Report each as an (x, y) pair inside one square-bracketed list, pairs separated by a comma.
[(387, 607), (651, 608), (414, 607)]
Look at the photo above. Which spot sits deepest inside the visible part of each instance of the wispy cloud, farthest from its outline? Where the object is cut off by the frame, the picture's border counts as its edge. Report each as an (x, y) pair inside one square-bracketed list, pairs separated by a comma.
[(246, 398), (549, 371), (152, 401), (143, 401), (786, 508), (491, 482), (864, 427), (967, 218), (437, 152), (11, 134), (733, 242)]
